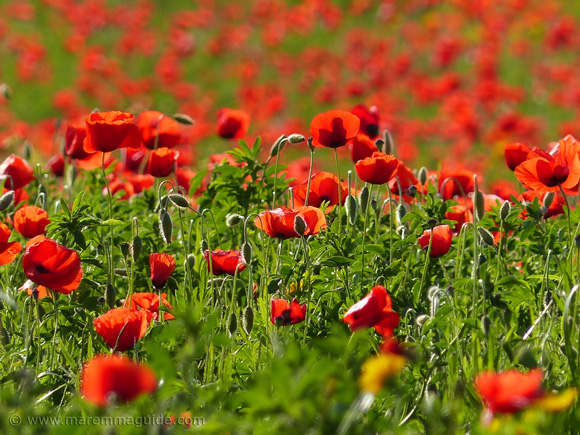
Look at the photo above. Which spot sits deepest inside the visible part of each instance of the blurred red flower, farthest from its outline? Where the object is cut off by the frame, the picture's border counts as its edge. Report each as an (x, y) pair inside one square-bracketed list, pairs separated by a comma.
[(115, 377), (509, 391), (8, 250), (374, 310), (515, 154), (30, 221), (162, 266), (232, 124), (108, 131), (50, 264), (153, 124), (224, 262), (334, 129), (162, 162), (122, 327), (369, 120), (279, 222), (361, 147), (284, 313), (17, 172), (441, 244)]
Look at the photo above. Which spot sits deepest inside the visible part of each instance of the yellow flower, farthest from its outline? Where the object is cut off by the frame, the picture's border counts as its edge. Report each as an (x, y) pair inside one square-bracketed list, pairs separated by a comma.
[(553, 402), (377, 369)]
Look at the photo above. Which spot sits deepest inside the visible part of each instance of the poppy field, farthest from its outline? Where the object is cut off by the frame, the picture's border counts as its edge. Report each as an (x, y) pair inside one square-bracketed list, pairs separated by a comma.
[(348, 217)]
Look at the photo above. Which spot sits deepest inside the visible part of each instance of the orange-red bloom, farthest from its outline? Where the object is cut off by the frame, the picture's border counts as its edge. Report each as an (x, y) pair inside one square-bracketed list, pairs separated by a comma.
[(17, 172), (279, 222), (369, 120), (380, 168), (452, 182), (224, 262), (50, 264), (284, 313), (108, 131), (232, 124), (546, 172), (441, 244), (334, 129), (122, 327), (361, 147), (31, 221), (461, 214), (153, 124), (323, 188), (162, 266), (8, 250), (117, 377), (149, 302), (509, 391), (374, 310), (515, 154), (162, 162)]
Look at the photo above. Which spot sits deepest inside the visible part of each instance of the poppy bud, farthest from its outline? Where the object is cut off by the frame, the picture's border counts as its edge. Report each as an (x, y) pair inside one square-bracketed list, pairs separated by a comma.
[(548, 199), (482, 259), (248, 320), (401, 212), (111, 296), (296, 138), (389, 143), (4, 338), (351, 209), (299, 225), (125, 249), (6, 91), (6, 200), (364, 199), (121, 272), (179, 200), (432, 223), (233, 326), (422, 175), (183, 119), (233, 219), (412, 191), (486, 325), (422, 319), (485, 236), (191, 261), (504, 211), (278, 145), (479, 202), (309, 143), (136, 247), (379, 143), (247, 252), (204, 245), (166, 227)]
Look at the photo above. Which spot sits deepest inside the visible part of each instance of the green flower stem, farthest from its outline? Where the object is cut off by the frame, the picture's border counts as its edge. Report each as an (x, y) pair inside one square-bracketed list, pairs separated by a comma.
[(339, 193)]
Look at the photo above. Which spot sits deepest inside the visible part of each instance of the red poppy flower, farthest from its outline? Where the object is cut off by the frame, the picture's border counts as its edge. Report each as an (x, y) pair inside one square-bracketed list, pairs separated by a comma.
[(31, 221), (555, 209), (509, 391), (362, 147), (406, 179), (162, 162), (108, 377), (279, 222), (546, 172), (232, 124), (108, 131), (459, 181), (149, 302), (48, 263), (284, 313), (334, 129), (369, 120), (152, 124), (323, 188), (441, 244), (162, 266), (224, 262), (122, 327), (56, 165), (461, 214), (374, 310), (17, 172), (74, 141), (8, 250), (515, 154), (378, 169)]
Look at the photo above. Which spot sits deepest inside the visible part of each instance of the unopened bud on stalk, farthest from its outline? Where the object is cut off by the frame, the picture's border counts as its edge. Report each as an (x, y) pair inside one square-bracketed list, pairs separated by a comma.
[(486, 325), (247, 252), (482, 259), (191, 261), (278, 145), (233, 327), (6, 91), (309, 143), (422, 175), (577, 241), (422, 319), (296, 138), (6, 200), (125, 249), (479, 202), (179, 200), (549, 199), (389, 143), (379, 143), (111, 296), (136, 247), (299, 225), (351, 209), (204, 245), (233, 219), (364, 199), (183, 119), (4, 337), (401, 212), (412, 191), (504, 211), (166, 227), (121, 272), (485, 236), (248, 320), (432, 223)]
